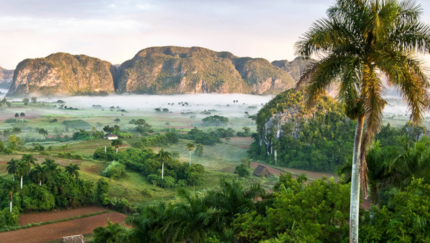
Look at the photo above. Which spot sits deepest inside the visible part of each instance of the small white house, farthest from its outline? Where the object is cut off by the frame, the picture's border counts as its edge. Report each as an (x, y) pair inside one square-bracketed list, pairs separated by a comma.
[(112, 137)]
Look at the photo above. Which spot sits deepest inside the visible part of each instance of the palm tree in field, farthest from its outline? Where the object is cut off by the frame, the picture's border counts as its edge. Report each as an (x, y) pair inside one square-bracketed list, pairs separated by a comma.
[(23, 169), (361, 43), (73, 170), (39, 173), (163, 156), (190, 147), (11, 187), (12, 167)]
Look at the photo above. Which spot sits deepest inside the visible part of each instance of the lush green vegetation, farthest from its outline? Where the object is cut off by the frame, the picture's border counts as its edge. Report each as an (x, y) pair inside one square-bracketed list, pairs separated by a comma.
[(316, 139), (43, 187)]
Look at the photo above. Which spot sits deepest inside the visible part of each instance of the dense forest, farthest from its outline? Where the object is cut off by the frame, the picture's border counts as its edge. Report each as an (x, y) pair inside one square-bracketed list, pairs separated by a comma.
[(290, 135)]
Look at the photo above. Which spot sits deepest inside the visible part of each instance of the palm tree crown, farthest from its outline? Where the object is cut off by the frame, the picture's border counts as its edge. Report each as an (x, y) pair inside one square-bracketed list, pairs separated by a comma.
[(163, 155), (190, 146), (39, 173), (12, 167), (73, 170)]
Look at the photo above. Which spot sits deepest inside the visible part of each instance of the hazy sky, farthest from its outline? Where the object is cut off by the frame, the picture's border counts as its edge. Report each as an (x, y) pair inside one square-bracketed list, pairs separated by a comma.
[(115, 30)]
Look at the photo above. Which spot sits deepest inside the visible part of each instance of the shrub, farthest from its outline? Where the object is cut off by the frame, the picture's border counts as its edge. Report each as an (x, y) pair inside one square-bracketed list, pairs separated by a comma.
[(115, 170), (242, 171)]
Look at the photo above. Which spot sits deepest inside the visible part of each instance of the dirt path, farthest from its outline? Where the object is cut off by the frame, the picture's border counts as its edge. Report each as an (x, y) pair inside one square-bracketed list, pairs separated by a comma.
[(56, 231), (25, 219)]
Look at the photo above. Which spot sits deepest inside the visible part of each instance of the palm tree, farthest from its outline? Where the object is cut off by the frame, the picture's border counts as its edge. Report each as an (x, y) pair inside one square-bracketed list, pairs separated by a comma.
[(188, 220), (29, 159), (361, 42), (73, 170), (39, 173), (23, 169), (12, 167), (190, 147), (11, 187), (230, 199), (163, 156), (50, 166)]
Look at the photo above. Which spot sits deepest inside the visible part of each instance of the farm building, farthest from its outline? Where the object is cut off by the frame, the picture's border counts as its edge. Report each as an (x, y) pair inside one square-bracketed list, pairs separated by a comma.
[(261, 171), (111, 137)]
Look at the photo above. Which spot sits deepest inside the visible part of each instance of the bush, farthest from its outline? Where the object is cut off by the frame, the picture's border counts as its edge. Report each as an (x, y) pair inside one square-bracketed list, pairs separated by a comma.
[(115, 170), (242, 171), (9, 219), (147, 192), (10, 120), (102, 191)]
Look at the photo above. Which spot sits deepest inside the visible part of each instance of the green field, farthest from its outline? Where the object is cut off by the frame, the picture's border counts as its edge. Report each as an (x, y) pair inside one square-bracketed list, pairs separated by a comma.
[(219, 160)]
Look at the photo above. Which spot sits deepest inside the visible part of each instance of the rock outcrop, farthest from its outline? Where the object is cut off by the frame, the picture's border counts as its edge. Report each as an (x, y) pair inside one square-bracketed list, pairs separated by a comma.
[(155, 70), (6, 77), (294, 68), (64, 74), (172, 70)]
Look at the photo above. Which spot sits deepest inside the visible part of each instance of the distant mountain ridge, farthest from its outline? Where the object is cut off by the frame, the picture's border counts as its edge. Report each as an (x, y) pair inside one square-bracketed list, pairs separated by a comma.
[(6, 77), (155, 70), (63, 73)]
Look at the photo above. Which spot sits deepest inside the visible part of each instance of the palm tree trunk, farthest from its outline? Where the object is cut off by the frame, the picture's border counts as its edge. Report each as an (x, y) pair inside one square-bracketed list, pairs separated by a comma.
[(40, 183), (13, 177), (190, 157), (355, 183), (11, 206), (162, 170), (21, 181)]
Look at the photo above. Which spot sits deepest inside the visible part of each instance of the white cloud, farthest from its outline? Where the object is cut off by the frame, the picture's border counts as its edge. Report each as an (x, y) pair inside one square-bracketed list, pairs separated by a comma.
[(115, 30)]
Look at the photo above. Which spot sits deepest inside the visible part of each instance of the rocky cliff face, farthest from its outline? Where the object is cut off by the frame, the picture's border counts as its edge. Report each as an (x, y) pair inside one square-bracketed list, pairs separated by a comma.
[(294, 68), (155, 70), (6, 77), (285, 116), (62, 73), (171, 70)]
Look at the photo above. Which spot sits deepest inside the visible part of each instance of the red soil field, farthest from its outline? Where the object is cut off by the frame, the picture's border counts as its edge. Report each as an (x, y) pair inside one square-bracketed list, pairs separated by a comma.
[(56, 231), (25, 219)]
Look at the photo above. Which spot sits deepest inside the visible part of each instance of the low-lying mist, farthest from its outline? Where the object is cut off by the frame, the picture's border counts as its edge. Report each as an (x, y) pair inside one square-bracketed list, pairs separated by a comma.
[(226, 104)]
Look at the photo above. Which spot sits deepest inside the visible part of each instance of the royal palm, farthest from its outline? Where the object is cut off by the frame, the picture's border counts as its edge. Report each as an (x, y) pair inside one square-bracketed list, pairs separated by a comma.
[(39, 173), (11, 188), (73, 170), (12, 167), (163, 156), (23, 169), (190, 147), (361, 43)]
